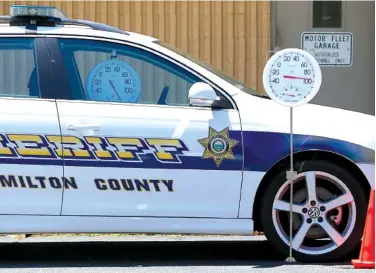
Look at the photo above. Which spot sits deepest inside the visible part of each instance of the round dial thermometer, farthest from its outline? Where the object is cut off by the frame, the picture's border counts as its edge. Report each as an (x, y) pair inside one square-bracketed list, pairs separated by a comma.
[(113, 80), (292, 77)]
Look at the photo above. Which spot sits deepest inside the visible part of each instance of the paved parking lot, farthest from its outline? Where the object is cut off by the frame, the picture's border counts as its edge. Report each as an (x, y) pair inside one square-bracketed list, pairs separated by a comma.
[(149, 254)]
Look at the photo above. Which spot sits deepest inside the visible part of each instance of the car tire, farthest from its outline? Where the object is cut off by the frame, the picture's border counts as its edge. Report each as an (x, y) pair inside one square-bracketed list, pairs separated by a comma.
[(344, 223)]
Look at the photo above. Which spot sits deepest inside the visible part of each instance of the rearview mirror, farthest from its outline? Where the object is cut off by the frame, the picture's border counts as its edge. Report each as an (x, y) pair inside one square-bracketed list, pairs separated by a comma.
[(202, 94)]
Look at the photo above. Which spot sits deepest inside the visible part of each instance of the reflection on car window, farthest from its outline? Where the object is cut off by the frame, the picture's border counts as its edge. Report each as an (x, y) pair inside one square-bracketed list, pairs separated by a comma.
[(112, 80), (18, 77), (103, 71)]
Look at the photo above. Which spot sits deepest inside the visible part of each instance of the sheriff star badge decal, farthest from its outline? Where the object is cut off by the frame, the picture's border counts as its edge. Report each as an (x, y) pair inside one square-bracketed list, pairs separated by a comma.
[(218, 145)]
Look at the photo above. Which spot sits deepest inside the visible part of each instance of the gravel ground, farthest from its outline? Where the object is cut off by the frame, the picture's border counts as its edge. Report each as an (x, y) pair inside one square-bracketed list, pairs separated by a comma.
[(151, 254)]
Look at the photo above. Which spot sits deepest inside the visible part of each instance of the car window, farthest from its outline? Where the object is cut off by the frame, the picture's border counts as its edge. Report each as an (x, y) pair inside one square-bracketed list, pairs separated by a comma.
[(18, 77), (104, 71)]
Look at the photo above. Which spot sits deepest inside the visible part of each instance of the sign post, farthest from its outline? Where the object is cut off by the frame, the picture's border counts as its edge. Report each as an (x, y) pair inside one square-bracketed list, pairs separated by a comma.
[(292, 77)]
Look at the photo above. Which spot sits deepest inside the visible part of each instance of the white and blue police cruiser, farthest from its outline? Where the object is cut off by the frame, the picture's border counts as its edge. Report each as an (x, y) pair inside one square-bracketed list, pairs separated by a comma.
[(104, 130)]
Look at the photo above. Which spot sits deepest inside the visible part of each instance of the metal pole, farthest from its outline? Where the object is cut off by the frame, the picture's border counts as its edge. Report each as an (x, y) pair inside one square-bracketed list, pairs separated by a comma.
[(291, 175), (291, 169)]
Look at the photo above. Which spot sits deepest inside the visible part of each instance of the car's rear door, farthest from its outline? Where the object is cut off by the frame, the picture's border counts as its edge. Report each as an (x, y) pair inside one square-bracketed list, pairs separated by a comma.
[(135, 146), (31, 173)]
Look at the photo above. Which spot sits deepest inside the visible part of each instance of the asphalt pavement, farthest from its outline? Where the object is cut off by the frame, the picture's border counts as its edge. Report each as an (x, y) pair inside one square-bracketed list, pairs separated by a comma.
[(151, 254)]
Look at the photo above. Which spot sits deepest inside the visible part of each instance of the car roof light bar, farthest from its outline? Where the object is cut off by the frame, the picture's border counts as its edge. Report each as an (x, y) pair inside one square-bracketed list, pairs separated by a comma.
[(38, 11), (33, 16)]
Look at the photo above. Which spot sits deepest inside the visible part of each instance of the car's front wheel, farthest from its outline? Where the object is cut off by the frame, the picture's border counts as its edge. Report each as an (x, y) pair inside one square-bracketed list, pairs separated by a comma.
[(329, 209)]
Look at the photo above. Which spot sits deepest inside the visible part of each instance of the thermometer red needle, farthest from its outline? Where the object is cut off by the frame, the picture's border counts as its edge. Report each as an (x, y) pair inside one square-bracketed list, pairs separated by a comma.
[(291, 95), (295, 78), (113, 87)]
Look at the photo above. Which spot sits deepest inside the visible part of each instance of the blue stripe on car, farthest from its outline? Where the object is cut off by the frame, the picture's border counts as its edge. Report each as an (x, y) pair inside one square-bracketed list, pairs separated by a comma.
[(261, 151)]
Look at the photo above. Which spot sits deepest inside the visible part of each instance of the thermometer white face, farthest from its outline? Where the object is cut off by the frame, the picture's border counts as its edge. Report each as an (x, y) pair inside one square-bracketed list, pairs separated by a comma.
[(292, 77)]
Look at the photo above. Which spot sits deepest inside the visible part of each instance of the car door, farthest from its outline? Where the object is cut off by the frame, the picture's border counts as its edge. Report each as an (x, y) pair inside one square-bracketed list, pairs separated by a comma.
[(31, 177), (135, 146)]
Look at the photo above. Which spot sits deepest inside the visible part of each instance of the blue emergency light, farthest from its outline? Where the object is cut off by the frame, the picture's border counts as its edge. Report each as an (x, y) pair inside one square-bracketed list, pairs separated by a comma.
[(33, 16), (38, 11)]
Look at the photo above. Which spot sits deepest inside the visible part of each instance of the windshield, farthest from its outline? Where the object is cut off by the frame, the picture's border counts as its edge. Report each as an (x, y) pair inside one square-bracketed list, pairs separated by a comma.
[(217, 72)]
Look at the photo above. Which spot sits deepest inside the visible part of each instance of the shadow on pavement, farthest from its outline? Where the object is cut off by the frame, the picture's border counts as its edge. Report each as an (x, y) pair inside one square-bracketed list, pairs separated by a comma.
[(130, 253), (259, 254)]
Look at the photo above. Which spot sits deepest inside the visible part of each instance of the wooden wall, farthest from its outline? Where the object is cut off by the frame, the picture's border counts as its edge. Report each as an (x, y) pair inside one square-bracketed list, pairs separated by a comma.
[(233, 36)]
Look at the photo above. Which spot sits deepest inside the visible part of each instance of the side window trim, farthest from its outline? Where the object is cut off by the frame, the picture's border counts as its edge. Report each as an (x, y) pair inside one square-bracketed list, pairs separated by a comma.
[(223, 94), (58, 75), (43, 68)]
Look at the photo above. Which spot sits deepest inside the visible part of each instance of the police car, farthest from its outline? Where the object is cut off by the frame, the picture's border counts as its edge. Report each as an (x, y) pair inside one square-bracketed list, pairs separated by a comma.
[(105, 130)]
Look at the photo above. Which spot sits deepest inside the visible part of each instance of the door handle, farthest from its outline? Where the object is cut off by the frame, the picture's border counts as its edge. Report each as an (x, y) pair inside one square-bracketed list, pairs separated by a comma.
[(83, 127)]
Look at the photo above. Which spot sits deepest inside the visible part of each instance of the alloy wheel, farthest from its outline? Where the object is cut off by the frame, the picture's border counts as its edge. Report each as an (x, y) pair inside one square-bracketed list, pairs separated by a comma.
[(324, 213)]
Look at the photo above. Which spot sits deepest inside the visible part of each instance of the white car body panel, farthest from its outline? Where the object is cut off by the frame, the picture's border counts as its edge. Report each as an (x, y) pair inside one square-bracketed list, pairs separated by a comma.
[(194, 195), (309, 119), (21, 193), (369, 172), (191, 196), (251, 182), (88, 224)]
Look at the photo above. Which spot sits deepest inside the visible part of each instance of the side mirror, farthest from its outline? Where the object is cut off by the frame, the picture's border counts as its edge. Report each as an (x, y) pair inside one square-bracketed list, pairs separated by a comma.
[(202, 94)]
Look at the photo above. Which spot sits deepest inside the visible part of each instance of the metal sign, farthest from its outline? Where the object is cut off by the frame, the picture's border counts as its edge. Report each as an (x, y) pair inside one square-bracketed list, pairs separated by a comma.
[(329, 48)]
